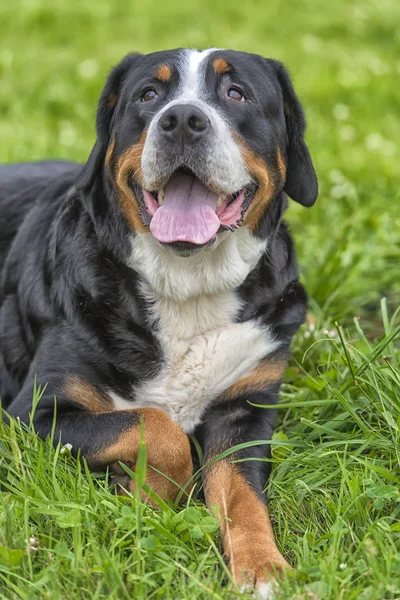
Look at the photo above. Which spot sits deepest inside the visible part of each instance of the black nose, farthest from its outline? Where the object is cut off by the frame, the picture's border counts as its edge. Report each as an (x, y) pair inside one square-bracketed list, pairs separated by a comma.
[(183, 122)]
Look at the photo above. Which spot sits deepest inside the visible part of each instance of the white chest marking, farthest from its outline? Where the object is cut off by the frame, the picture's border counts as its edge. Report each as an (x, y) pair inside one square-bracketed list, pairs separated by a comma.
[(194, 306), (205, 353)]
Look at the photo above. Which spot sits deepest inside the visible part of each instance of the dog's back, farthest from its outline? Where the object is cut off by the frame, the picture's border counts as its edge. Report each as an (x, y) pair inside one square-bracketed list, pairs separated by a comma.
[(20, 186)]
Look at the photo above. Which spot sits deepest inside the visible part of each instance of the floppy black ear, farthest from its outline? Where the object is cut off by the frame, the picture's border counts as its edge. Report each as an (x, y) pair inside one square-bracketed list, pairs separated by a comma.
[(301, 180), (105, 111)]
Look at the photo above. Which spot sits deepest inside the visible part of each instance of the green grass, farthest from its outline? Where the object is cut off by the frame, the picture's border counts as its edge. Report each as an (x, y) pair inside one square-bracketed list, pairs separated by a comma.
[(334, 492)]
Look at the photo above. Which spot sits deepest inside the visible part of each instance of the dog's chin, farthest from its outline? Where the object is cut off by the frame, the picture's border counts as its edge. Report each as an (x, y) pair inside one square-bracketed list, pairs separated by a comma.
[(187, 249)]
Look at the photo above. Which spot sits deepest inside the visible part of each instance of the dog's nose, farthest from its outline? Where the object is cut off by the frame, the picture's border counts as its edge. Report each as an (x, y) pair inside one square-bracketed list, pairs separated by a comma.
[(184, 122)]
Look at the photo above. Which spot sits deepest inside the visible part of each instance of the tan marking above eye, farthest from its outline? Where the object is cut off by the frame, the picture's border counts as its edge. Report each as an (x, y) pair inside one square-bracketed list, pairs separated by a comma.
[(163, 73), (221, 66)]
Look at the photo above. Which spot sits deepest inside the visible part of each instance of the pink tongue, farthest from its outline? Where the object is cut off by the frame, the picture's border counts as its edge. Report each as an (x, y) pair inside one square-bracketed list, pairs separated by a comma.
[(188, 212)]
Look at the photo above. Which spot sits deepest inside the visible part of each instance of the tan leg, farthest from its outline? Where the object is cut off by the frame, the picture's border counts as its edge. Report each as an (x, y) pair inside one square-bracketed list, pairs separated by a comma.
[(248, 539), (168, 451)]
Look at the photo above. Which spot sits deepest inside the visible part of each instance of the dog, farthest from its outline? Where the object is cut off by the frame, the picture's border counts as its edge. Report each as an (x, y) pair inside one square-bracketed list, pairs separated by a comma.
[(154, 291)]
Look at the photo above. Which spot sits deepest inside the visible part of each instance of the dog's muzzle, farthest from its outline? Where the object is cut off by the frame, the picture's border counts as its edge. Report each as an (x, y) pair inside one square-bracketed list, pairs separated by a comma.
[(195, 181)]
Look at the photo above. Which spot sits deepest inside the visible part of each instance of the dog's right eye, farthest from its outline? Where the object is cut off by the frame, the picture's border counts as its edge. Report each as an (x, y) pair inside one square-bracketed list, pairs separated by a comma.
[(236, 94), (148, 95)]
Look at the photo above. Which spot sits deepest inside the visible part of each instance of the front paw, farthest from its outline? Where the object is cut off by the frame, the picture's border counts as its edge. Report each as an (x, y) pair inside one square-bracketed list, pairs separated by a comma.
[(168, 490), (258, 574)]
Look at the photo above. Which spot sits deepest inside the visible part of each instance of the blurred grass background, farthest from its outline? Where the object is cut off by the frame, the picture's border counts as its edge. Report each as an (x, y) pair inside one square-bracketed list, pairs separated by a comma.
[(345, 62), (334, 497)]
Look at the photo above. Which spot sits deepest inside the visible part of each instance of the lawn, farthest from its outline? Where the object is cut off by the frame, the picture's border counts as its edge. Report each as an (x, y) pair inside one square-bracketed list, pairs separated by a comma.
[(334, 492)]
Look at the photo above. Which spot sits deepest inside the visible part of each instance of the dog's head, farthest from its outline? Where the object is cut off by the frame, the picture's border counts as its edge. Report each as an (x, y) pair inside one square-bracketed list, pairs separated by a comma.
[(192, 144)]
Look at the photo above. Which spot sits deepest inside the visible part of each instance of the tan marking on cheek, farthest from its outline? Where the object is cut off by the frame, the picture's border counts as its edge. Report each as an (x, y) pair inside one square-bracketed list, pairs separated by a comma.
[(267, 373), (86, 395), (221, 66), (168, 451), (268, 177), (261, 172), (248, 537), (281, 164), (130, 165), (109, 158), (163, 73)]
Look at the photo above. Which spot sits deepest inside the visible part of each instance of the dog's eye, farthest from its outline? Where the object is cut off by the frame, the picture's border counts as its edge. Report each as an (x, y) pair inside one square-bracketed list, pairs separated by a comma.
[(149, 94), (235, 94)]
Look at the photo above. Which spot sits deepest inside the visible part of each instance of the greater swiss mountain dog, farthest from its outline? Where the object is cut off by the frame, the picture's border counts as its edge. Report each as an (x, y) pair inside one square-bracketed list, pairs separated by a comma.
[(155, 288)]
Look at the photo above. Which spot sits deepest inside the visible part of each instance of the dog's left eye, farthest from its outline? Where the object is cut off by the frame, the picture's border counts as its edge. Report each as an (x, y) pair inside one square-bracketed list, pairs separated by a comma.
[(148, 95), (235, 94)]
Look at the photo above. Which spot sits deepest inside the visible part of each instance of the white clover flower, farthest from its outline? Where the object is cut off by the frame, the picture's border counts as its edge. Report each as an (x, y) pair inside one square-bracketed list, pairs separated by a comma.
[(66, 448), (33, 545)]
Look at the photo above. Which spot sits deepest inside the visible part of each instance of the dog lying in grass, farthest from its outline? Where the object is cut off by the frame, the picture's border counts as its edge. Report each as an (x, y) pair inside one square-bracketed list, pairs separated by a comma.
[(157, 284)]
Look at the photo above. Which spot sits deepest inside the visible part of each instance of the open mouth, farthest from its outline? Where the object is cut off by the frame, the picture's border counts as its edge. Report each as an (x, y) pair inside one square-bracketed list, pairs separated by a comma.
[(186, 210)]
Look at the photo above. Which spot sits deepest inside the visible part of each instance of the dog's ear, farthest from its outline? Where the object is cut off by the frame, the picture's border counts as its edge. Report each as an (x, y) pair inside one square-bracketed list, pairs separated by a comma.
[(105, 111), (301, 180)]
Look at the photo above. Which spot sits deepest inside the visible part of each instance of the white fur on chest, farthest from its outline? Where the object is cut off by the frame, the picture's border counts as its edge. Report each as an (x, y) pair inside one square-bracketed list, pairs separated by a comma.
[(194, 309), (205, 353)]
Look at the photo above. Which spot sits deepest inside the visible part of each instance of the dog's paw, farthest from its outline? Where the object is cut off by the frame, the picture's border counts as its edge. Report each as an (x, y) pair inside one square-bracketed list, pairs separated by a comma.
[(259, 579), (261, 590), (265, 590), (120, 484)]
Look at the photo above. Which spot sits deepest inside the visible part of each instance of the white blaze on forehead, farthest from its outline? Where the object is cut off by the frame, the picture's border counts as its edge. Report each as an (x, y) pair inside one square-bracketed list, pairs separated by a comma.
[(192, 69)]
